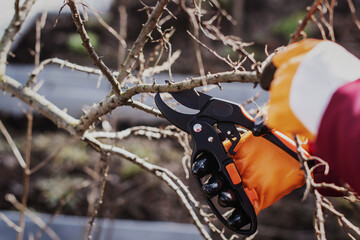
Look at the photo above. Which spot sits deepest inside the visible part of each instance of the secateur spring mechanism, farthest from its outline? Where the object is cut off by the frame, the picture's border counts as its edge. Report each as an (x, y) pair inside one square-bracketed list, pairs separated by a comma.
[(212, 166)]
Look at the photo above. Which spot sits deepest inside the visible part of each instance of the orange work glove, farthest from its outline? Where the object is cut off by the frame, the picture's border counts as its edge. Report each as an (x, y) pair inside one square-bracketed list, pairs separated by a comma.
[(314, 91), (266, 168)]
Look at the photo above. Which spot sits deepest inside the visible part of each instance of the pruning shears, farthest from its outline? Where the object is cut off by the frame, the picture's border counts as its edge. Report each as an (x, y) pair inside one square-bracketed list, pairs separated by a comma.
[(212, 166)]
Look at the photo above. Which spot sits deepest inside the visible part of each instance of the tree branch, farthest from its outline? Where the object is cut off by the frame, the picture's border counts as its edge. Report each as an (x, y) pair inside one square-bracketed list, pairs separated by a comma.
[(110, 103), (37, 220), (143, 37), (305, 21), (162, 173), (39, 103), (8, 38), (13, 146), (62, 63), (79, 23)]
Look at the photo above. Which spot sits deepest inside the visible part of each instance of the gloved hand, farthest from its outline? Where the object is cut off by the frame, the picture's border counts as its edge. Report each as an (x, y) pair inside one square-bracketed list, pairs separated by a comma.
[(266, 169), (315, 91)]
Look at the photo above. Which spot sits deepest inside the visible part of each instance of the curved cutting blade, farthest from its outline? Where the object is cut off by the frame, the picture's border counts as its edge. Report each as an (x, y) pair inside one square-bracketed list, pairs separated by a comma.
[(191, 98), (180, 120)]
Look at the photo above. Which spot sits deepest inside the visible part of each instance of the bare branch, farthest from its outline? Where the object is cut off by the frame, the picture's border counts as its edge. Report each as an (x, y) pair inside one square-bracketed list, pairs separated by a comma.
[(150, 132), (143, 37), (99, 200), (40, 103), (149, 71), (322, 203), (26, 173), (162, 173), (12, 145), (311, 11), (63, 63), (195, 16), (8, 38), (89, 48), (110, 103), (37, 220), (321, 28), (212, 51), (110, 29), (353, 13), (10, 223)]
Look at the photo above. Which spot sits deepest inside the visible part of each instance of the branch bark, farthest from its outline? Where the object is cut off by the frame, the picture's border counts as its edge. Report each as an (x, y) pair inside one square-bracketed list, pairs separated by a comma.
[(110, 103), (8, 38), (39, 103), (79, 23)]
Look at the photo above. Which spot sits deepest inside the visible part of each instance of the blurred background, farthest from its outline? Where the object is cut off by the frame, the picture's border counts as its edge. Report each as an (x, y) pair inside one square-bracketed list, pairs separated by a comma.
[(59, 187)]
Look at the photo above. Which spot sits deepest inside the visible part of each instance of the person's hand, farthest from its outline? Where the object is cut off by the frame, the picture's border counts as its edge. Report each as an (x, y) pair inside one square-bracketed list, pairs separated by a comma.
[(315, 92), (268, 172)]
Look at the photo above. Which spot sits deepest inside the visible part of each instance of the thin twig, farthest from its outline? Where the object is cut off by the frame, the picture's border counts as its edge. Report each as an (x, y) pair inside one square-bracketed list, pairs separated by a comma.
[(127, 66), (162, 173), (322, 203), (212, 51), (62, 63), (12, 145), (311, 11), (10, 223), (123, 34), (110, 29), (328, 24), (150, 132), (13, 28), (353, 13), (321, 28), (149, 71), (37, 220), (195, 16), (26, 173), (99, 201)]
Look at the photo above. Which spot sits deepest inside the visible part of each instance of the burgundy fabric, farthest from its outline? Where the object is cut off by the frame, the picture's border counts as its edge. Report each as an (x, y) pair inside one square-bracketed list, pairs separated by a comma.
[(338, 139), (320, 177)]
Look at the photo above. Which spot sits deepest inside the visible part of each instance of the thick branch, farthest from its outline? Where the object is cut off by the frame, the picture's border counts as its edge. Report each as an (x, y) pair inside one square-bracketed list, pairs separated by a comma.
[(225, 77), (89, 48), (40, 103), (110, 103)]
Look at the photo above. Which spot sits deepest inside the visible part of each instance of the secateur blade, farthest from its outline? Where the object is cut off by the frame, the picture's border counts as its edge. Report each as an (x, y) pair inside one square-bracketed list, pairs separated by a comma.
[(191, 98), (180, 120)]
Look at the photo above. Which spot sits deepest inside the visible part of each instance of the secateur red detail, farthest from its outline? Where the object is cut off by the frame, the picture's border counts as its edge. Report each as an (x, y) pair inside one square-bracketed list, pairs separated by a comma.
[(212, 166)]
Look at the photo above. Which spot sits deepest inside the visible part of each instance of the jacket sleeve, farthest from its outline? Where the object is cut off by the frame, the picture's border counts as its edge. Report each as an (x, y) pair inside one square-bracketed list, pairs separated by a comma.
[(338, 138)]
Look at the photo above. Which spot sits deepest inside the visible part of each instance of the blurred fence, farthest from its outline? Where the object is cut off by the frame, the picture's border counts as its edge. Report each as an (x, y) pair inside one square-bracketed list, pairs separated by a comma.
[(74, 228)]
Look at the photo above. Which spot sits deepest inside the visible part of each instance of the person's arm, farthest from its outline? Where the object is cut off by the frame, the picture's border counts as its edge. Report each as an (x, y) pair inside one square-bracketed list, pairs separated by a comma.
[(315, 91)]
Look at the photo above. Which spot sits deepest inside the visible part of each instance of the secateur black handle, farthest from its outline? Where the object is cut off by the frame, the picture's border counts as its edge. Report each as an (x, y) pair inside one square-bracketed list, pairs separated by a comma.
[(235, 114), (207, 141), (215, 122)]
